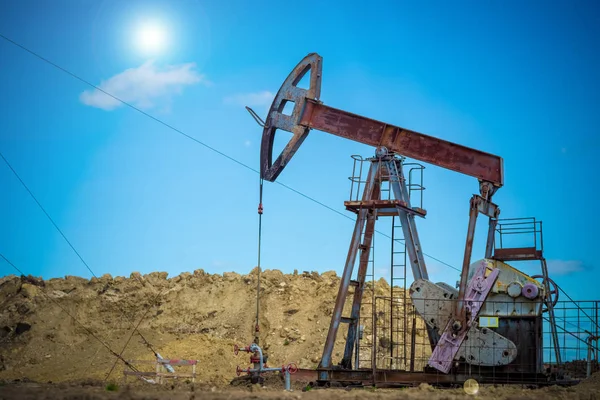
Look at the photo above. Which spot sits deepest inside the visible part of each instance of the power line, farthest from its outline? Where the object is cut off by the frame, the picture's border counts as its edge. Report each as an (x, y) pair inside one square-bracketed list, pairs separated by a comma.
[(194, 139), (126, 103), (65, 238), (135, 329), (46, 213)]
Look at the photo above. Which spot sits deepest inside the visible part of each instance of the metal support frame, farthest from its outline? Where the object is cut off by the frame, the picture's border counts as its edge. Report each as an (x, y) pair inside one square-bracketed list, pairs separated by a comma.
[(489, 245), (464, 310), (359, 290), (590, 351), (385, 378), (533, 251), (355, 245), (407, 219), (550, 308), (310, 113), (479, 204), (390, 165)]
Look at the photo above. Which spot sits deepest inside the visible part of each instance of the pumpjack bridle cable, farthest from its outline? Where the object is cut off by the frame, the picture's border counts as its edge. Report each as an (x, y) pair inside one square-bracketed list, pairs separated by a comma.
[(260, 212)]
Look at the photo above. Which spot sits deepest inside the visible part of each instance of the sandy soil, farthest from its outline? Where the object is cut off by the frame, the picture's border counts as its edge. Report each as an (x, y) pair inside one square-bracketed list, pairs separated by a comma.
[(91, 391), (46, 354), (190, 316)]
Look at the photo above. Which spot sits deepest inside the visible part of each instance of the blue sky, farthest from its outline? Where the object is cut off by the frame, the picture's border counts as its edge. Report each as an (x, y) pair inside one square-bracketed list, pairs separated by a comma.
[(517, 79)]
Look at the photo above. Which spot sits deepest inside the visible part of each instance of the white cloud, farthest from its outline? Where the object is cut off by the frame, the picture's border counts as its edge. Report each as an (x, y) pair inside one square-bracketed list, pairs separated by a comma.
[(560, 267), (257, 99), (142, 86)]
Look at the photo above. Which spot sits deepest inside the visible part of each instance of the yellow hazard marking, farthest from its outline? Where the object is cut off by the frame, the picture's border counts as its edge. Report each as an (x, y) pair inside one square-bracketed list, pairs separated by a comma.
[(488, 322)]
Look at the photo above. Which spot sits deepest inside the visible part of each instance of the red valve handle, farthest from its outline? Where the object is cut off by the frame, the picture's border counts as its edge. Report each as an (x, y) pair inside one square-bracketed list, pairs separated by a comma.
[(292, 368), (238, 370)]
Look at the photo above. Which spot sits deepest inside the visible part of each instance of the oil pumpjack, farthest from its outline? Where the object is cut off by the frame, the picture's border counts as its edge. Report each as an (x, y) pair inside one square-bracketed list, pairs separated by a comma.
[(453, 317)]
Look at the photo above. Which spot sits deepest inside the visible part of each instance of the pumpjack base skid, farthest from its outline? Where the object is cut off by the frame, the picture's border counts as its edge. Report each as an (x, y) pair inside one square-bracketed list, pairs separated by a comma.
[(398, 378)]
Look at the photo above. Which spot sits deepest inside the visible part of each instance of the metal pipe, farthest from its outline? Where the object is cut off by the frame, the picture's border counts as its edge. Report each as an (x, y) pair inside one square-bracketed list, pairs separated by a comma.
[(374, 341), (357, 346), (254, 348), (589, 341), (412, 341), (597, 330), (288, 386), (489, 247), (464, 276), (550, 305), (541, 238), (168, 367), (392, 248)]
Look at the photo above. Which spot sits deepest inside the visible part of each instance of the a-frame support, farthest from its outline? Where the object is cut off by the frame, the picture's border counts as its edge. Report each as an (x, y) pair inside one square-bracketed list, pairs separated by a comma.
[(384, 167)]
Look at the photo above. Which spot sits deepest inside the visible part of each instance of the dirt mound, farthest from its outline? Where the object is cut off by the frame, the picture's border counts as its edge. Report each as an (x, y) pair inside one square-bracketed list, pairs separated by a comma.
[(592, 383), (190, 316)]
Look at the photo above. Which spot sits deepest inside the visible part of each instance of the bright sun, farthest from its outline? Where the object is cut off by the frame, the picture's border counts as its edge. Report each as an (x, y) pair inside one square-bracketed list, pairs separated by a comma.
[(151, 37)]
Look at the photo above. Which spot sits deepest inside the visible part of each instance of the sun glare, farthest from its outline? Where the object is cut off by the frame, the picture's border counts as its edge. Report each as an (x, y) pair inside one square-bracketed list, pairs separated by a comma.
[(151, 38)]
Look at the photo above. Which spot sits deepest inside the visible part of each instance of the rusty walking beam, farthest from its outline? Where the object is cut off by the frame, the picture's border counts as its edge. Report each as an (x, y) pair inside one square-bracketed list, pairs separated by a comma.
[(429, 149), (309, 113)]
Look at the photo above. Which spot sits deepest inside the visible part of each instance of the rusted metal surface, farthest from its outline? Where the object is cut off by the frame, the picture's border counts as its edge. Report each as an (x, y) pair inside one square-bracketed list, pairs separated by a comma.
[(355, 243), (527, 332), (481, 165), (384, 207), (489, 245), (478, 204), (310, 113), (360, 288), (517, 254), (486, 207), (366, 217), (464, 275), (289, 91), (413, 342), (395, 378)]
